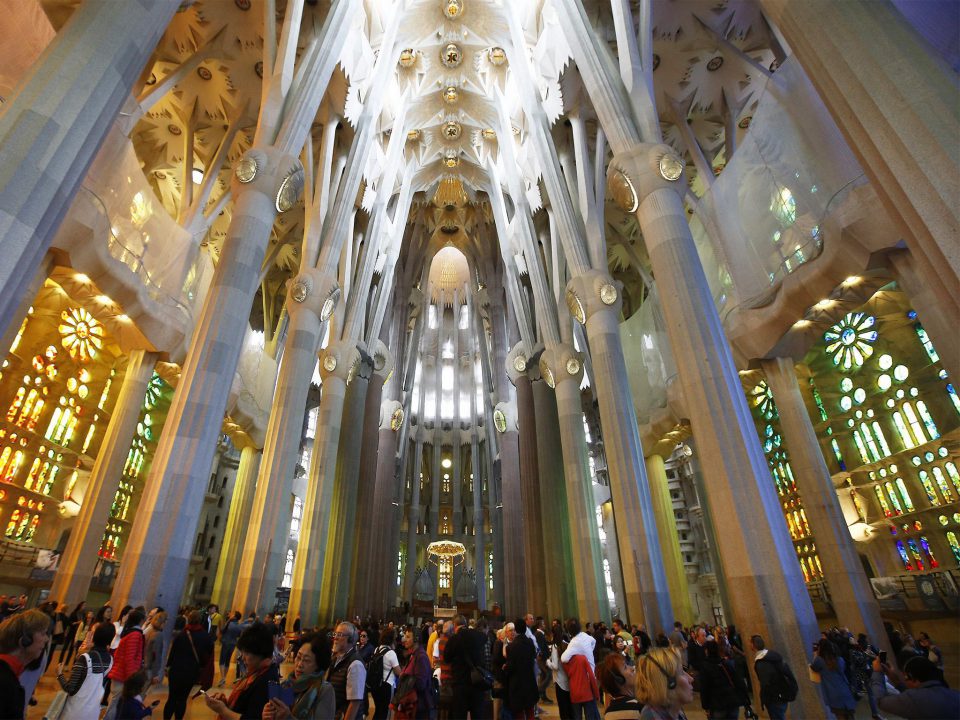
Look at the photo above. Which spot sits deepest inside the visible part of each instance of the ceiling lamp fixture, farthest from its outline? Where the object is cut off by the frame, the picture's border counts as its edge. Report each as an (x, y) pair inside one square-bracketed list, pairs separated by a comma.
[(497, 56), (446, 551), (452, 9), (408, 58), (451, 95), (451, 56)]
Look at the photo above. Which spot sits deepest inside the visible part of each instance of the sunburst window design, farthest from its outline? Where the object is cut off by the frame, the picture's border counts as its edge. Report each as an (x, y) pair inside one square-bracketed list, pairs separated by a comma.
[(850, 341), (762, 399), (154, 388), (82, 334)]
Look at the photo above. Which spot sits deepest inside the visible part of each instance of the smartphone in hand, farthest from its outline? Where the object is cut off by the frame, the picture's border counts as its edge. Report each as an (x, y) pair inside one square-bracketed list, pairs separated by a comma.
[(281, 692)]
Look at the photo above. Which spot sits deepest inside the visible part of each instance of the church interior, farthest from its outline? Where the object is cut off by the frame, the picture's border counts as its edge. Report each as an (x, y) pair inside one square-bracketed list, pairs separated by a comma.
[(589, 308)]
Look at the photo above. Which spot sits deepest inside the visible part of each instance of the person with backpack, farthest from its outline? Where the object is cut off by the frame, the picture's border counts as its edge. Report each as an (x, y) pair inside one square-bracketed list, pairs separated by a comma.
[(778, 686), (84, 687), (723, 690), (383, 669), (464, 652), (413, 699)]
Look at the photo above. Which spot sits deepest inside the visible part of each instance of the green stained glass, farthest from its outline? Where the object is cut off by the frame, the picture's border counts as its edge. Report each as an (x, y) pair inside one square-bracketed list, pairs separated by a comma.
[(942, 484), (850, 341), (928, 488)]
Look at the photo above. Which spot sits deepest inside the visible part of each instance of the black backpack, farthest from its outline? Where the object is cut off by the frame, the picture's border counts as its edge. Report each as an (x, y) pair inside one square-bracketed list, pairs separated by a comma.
[(788, 683), (375, 669)]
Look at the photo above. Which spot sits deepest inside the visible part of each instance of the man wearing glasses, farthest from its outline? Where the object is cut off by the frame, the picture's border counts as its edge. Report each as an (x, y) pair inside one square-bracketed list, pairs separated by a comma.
[(347, 673)]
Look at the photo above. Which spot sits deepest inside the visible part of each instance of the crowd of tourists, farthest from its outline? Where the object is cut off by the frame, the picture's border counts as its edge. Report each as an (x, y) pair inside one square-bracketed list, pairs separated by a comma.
[(115, 667)]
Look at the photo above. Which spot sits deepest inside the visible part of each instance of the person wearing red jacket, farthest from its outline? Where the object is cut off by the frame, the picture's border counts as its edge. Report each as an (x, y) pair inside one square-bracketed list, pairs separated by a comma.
[(127, 658)]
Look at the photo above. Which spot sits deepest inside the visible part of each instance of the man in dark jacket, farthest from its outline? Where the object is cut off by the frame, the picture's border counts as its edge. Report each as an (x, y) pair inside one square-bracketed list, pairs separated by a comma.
[(23, 638), (521, 684), (922, 693), (777, 682), (464, 652)]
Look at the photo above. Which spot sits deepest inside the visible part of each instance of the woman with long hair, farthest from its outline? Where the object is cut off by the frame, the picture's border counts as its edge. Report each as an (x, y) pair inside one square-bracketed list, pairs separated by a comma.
[(188, 655), (834, 684), (663, 686), (561, 683), (413, 698)]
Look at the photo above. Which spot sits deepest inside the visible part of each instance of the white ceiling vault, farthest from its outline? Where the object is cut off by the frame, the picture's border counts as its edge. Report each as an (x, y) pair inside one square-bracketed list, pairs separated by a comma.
[(454, 68)]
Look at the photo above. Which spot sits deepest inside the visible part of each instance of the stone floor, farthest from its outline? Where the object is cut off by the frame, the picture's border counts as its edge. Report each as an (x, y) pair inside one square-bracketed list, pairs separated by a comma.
[(197, 709)]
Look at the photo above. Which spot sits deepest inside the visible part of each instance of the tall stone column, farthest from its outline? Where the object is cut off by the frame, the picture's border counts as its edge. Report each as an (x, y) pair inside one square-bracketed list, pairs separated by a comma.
[(767, 592), (340, 539), (161, 542), (309, 564), (72, 581), (413, 515), (533, 548), (511, 518), (895, 103), (850, 591), (479, 530), (564, 367), (53, 126), (264, 539), (595, 301), (238, 526), (554, 521), (374, 506), (669, 541)]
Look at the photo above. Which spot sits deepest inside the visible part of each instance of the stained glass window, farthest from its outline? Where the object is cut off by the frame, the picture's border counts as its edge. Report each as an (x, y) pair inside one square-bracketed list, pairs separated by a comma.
[(850, 341), (915, 553), (894, 500), (942, 483), (954, 545), (905, 437), (954, 475), (288, 569), (901, 486), (884, 506), (901, 550), (762, 399), (82, 335), (928, 488), (914, 422), (928, 422), (925, 341), (926, 549)]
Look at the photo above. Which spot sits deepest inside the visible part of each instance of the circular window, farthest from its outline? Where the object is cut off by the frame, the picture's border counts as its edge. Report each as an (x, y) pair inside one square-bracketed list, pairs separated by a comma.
[(846, 403), (900, 373), (884, 382), (846, 384), (859, 395), (885, 362)]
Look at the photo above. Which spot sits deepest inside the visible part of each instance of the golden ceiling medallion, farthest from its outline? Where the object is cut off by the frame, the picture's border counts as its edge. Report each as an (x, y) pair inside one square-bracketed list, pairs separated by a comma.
[(413, 135), (452, 130), (488, 134), (622, 192), (408, 58), (497, 56), (451, 95), (452, 159), (451, 56), (453, 9)]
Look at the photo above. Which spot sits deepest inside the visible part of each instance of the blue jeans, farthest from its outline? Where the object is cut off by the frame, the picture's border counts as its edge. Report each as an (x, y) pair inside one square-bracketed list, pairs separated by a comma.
[(587, 711), (778, 711)]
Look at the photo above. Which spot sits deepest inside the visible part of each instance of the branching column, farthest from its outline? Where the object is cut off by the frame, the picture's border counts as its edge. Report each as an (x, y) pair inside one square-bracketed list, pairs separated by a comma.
[(79, 559), (533, 548), (758, 559), (850, 592), (161, 542), (341, 539), (413, 515), (669, 541), (565, 368), (597, 301), (238, 525), (264, 539), (371, 515), (309, 564)]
